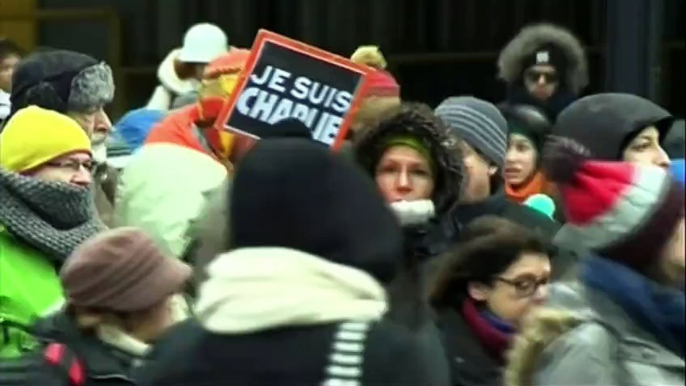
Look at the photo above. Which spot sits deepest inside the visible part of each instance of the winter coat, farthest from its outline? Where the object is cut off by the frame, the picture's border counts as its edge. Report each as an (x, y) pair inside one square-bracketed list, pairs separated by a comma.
[(296, 356), (512, 59), (498, 205), (170, 86), (470, 363), (165, 184), (603, 123), (108, 357), (585, 337), (407, 294), (244, 319), (29, 288)]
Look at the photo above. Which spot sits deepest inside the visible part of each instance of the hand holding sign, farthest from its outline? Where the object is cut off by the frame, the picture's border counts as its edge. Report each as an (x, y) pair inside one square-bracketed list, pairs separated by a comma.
[(289, 79)]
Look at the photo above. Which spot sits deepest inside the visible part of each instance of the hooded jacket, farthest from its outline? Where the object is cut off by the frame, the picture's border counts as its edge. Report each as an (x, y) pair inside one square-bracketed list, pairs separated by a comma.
[(407, 294), (606, 123), (512, 59), (299, 297), (171, 86)]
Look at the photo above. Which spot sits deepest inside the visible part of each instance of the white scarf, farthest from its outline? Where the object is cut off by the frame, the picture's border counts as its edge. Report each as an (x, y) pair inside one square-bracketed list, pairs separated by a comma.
[(119, 339), (254, 289)]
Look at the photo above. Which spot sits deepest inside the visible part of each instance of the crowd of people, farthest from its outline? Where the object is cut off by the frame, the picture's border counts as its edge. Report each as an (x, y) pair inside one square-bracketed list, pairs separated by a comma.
[(537, 240)]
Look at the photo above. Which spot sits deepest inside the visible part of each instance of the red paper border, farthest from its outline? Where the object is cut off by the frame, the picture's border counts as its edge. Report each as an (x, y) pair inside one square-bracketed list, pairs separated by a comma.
[(265, 36)]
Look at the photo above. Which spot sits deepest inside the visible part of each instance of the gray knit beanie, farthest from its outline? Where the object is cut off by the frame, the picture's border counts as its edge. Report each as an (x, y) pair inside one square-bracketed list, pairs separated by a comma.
[(477, 122)]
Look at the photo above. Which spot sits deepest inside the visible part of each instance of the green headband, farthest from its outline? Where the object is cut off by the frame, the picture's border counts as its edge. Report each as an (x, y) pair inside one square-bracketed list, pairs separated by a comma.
[(414, 144)]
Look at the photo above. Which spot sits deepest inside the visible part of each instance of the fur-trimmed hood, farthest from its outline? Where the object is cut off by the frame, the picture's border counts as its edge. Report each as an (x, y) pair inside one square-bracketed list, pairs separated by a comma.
[(527, 350), (533, 37), (419, 121)]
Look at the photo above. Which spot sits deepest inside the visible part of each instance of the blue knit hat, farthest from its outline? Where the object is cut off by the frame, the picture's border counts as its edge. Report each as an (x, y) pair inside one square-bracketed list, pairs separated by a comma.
[(477, 122), (129, 134)]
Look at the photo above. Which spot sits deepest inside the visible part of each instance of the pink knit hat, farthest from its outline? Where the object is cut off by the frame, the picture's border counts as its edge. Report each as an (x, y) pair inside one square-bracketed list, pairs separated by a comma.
[(623, 211), (121, 270), (381, 82)]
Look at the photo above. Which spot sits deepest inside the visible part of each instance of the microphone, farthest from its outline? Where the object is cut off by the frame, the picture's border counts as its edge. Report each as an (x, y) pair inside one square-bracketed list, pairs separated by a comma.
[(413, 212), (541, 203), (677, 170)]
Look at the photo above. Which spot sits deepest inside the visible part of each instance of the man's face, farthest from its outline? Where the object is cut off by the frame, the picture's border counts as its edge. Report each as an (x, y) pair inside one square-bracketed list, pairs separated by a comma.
[(541, 81), (479, 173), (7, 65), (95, 123)]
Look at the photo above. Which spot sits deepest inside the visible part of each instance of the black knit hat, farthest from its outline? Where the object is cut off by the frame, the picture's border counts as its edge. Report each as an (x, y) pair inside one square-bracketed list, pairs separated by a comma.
[(62, 81), (295, 193), (529, 121)]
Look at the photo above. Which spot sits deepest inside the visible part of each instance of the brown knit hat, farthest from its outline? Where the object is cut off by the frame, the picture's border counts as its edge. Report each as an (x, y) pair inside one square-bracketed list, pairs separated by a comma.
[(121, 270)]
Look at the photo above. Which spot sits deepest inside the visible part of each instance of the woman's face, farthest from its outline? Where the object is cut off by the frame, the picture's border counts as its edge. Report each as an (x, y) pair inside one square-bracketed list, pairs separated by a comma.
[(672, 262), (520, 161), (646, 149), (74, 169), (514, 293), (403, 174)]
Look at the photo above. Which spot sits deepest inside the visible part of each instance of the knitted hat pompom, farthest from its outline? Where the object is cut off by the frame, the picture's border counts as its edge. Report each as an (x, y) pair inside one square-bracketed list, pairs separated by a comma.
[(562, 158), (370, 56)]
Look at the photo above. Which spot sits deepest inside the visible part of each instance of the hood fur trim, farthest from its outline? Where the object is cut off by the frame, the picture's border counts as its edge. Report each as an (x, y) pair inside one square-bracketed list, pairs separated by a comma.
[(417, 120), (538, 333), (530, 39)]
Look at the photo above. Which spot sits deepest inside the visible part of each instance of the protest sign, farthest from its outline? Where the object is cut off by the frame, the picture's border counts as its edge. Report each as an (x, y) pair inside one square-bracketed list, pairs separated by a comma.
[(285, 78)]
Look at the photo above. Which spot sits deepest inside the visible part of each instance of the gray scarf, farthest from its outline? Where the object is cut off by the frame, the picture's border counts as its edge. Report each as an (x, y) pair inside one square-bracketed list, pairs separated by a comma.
[(52, 217)]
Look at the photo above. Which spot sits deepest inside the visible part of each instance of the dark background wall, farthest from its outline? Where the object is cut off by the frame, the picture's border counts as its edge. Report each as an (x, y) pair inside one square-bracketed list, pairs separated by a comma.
[(436, 48)]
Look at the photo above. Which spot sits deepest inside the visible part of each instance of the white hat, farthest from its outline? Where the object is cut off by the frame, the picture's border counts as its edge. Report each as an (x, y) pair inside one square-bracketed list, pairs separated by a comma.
[(203, 43)]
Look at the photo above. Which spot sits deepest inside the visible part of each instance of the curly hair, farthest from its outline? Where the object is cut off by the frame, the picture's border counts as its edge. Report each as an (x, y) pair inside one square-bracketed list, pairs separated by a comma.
[(531, 38)]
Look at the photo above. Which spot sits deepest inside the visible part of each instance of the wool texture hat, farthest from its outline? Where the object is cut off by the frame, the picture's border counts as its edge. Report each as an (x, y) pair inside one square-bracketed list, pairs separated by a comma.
[(121, 270), (35, 136), (622, 211), (61, 80), (295, 193), (477, 122), (381, 82), (203, 43)]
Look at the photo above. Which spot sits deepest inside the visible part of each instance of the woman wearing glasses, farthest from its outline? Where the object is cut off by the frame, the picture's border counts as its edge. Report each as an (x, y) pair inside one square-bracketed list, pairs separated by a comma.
[(544, 66), (484, 291)]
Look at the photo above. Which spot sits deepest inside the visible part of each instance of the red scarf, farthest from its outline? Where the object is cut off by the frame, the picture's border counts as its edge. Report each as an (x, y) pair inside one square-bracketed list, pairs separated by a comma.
[(496, 342)]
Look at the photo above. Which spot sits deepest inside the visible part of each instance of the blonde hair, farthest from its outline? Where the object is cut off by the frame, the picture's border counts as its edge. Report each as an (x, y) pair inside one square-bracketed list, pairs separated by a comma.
[(369, 56)]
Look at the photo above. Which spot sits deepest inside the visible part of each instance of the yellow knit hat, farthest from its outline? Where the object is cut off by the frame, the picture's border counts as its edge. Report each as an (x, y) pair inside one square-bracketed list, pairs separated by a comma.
[(34, 136)]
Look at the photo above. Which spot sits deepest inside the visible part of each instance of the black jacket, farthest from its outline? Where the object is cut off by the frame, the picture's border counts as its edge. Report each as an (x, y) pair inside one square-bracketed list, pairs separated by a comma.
[(470, 363), (103, 365), (302, 356), (448, 230)]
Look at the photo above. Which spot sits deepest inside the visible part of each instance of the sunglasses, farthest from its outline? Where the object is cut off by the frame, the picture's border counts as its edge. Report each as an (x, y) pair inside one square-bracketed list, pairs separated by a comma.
[(533, 76)]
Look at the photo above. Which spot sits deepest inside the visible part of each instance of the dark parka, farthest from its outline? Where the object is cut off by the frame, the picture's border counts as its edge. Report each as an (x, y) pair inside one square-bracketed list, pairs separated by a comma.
[(408, 306)]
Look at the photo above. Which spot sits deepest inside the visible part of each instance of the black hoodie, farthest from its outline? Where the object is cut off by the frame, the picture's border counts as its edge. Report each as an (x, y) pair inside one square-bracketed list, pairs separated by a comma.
[(295, 194), (606, 123)]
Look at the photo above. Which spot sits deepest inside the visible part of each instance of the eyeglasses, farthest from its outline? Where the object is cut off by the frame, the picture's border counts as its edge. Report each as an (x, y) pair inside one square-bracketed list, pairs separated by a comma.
[(525, 287), (534, 75), (72, 165)]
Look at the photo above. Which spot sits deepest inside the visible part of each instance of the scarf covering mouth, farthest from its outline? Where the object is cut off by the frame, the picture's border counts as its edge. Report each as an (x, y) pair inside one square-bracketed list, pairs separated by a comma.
[(52, 217), (255, 289)]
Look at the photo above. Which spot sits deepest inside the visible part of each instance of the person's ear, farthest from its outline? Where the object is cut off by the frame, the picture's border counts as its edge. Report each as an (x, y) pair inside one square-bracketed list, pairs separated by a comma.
[(478, 291)]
